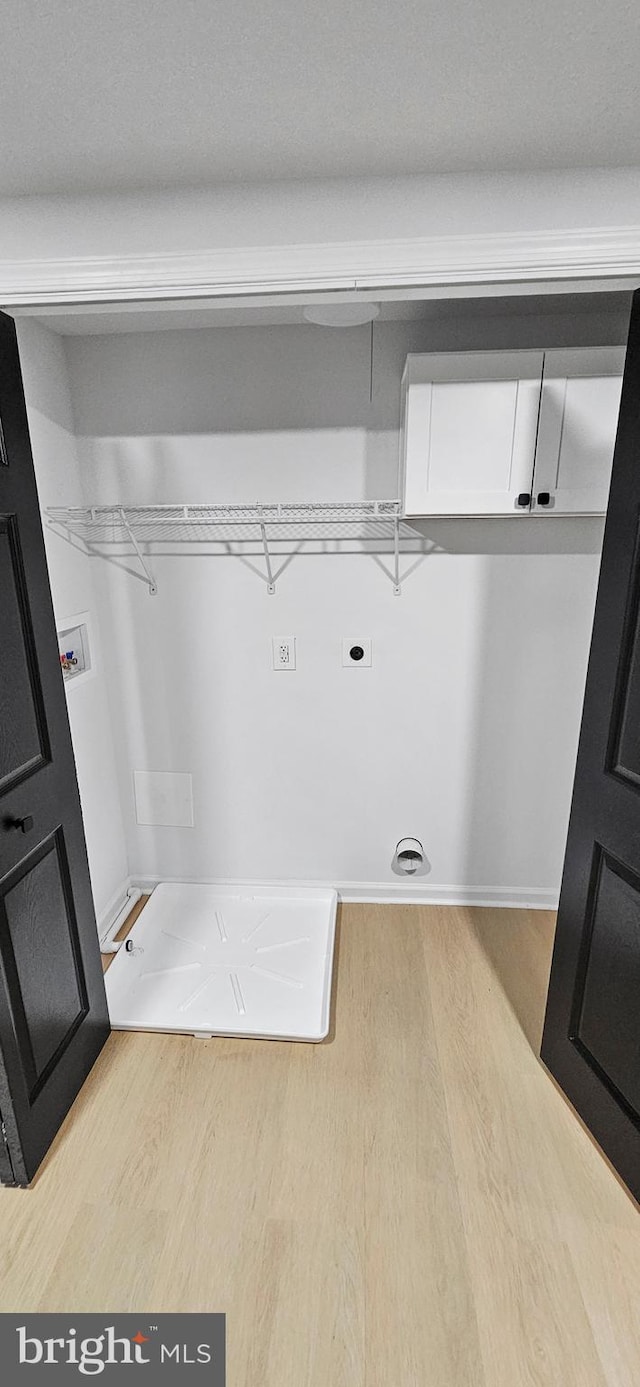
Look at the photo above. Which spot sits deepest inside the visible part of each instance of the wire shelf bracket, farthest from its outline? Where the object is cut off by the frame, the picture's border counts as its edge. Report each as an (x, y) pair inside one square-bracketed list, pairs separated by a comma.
[(271, 587), (153, 586), (266, 525), (397, 589)]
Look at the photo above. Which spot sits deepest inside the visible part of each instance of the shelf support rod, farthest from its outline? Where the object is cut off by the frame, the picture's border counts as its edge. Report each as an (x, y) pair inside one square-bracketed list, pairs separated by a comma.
[(271, 587), (397, 590), (153, 586)]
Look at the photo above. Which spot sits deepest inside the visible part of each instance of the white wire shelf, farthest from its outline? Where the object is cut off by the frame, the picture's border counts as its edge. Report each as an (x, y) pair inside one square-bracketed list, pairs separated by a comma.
[(269, 523), (174, 523)]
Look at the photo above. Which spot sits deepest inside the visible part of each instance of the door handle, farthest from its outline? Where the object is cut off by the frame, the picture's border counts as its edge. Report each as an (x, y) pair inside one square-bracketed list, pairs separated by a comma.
[(524, 498), (25, 825), (544, 498)]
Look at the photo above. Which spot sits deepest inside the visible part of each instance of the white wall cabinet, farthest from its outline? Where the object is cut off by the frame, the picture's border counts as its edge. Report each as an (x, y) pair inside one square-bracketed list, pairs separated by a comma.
[(577, 430), (469, 432), (509, 433)]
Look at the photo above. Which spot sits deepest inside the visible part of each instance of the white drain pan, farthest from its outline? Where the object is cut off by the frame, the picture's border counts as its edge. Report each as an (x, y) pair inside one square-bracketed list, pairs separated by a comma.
[(210, 960)]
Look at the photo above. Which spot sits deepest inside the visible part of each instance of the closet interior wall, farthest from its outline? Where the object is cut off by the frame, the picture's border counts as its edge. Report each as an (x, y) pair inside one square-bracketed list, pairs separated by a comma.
[(72, 573), (462, 733)]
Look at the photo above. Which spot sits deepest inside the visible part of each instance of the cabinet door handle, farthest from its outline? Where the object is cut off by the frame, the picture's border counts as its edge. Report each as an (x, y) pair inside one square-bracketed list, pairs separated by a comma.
[(25, 825), (524, 498), (544, 498)]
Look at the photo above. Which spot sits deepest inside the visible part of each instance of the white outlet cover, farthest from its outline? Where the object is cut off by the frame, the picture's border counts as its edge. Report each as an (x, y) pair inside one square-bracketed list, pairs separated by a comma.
[(163, 798), (278, 645), (347, 645)]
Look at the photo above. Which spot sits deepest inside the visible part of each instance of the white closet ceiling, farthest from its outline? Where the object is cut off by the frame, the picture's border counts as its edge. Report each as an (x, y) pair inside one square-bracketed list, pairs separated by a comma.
[(149, 317), (121, 95), (282, 310)]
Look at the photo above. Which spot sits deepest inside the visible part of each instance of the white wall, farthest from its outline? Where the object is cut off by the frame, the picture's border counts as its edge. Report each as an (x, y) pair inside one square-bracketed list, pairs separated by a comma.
[(70, 572), (464, 731)]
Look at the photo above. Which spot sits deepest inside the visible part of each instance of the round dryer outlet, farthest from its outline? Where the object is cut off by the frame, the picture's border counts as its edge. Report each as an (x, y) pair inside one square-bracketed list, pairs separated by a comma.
[(356, 652)]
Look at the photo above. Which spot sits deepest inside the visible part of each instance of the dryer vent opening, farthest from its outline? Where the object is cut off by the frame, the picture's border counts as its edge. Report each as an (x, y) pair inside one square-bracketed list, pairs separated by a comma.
[(409, 856)]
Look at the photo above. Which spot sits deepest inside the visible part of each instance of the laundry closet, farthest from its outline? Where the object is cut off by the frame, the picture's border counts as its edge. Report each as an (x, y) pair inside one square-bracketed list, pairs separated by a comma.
[(319, 587)]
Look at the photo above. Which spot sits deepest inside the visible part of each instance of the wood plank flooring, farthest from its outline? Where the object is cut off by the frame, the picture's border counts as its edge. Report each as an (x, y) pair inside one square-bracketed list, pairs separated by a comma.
[(411, 1204)]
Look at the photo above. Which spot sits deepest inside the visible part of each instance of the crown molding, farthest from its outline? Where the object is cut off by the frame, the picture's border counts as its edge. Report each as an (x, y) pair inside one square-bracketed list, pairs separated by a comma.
[(430, 262)]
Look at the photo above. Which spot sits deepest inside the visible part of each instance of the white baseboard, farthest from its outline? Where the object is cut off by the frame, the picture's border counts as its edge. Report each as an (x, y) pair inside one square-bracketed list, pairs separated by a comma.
[(387, 893), (392, 893)]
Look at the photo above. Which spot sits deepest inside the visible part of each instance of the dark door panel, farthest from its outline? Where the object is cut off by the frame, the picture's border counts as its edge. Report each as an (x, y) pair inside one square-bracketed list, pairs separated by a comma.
[(53, 1014), (591, 1040), (46, 1005), (623, 755), (24, 743)]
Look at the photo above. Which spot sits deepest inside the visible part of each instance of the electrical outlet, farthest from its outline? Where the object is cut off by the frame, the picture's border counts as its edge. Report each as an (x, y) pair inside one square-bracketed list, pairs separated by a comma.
[(283, 650), (357, 653)]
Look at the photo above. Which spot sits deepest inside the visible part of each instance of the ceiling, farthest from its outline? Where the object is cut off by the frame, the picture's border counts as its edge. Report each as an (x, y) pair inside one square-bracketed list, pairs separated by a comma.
[(123, 95), (145, 317), (157, 318)]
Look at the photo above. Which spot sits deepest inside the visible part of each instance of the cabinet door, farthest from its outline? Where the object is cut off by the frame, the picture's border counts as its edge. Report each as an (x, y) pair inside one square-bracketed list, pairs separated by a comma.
[(469, 432), (577, 431)]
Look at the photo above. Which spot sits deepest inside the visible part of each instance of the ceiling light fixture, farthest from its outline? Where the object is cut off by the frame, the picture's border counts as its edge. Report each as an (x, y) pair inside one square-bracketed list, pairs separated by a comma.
[(341, 314)]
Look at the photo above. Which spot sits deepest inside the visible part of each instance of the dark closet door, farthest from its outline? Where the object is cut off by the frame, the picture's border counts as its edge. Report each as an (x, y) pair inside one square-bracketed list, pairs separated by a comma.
[(53, 1013), (591, 1040)]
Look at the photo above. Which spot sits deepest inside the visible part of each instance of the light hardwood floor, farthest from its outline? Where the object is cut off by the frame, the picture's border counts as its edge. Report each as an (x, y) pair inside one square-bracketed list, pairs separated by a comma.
[(411, 1204)]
